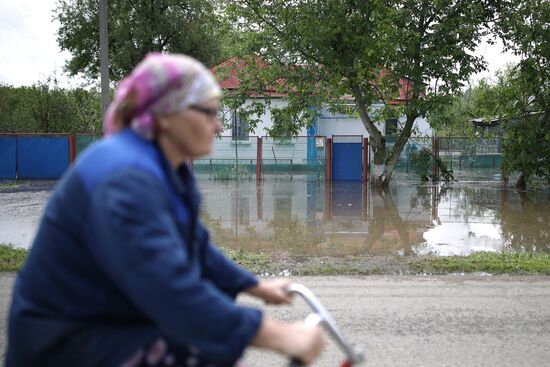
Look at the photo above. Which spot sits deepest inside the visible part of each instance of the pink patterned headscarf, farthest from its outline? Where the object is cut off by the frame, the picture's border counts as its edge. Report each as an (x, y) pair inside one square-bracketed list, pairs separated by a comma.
[(161, 84)]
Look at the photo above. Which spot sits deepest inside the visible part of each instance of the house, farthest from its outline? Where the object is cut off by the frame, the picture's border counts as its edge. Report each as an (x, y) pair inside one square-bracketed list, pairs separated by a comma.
[(308, 149), (328, 123), (487, 127)]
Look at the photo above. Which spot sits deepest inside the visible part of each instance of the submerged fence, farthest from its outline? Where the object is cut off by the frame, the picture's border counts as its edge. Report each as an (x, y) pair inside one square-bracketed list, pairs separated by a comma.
[(48, 156), (475, 159), (238, 157)]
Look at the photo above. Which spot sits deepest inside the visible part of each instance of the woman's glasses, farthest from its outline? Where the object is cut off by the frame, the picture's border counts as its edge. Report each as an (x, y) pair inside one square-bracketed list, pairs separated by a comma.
[(211, 113)]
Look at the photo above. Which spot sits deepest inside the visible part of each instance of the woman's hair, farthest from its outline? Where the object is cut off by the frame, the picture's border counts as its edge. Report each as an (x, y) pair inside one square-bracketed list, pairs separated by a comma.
[(161, 84)]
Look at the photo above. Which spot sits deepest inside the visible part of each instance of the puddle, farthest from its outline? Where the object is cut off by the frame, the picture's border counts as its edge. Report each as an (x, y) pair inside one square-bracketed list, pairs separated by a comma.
[(347, 218), (297, 217)]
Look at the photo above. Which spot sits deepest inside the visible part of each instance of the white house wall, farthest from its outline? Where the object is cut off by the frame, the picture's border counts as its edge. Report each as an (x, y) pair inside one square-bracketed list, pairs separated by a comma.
[(337, 124), (296, 149)]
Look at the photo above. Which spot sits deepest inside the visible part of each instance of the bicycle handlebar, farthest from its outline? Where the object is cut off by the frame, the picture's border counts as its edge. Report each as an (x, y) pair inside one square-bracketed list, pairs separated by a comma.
[(324, 318)]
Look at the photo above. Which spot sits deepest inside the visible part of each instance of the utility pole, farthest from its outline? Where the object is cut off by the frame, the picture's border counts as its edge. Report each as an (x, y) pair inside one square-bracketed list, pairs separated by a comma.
[(104, 55)]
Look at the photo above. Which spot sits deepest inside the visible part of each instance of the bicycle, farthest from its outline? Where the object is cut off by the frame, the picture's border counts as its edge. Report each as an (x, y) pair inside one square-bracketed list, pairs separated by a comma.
[(322, 317)]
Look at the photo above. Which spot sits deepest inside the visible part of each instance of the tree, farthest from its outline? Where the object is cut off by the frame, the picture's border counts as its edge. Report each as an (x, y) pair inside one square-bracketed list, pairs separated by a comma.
[(526, 123), (45, 107), (510, 100), (455, 119), (328, 49), (136, 27), (525, 92)]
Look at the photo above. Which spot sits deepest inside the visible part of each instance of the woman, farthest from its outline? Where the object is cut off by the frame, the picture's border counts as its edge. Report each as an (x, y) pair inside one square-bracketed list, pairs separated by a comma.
[(122, 272)]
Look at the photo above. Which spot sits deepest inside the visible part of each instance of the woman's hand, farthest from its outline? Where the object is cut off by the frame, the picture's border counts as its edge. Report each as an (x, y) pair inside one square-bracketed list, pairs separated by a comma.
[(272, 291), (295, 340), (303, 342)]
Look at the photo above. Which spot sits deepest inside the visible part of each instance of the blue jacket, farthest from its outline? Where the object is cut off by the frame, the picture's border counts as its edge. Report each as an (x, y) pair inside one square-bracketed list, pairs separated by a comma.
[(120, 243)]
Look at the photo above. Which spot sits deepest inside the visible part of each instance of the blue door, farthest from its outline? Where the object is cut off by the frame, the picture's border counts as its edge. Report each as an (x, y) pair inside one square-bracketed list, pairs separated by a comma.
[(347, 161)]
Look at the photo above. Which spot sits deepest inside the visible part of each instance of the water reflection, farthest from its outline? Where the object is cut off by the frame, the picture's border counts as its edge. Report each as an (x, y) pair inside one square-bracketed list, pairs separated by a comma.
[(349, 218)]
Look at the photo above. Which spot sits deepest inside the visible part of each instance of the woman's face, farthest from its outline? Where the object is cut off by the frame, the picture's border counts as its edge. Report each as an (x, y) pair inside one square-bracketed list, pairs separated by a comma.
[(190, 133)]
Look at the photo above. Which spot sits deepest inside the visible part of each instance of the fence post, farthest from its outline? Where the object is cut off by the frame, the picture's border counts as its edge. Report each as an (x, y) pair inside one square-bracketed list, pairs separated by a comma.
[(366, 163), (328, 201), (260, 199), (72, 148), (365, 201), (259, 158), (328, 160)]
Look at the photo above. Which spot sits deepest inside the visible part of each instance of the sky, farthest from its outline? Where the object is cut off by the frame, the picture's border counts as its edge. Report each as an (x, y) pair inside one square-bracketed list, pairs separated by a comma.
[(28, 46), (29, 52)]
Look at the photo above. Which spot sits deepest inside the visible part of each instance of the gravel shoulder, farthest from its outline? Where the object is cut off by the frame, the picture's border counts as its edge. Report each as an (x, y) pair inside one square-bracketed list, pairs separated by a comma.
[(449, 320)]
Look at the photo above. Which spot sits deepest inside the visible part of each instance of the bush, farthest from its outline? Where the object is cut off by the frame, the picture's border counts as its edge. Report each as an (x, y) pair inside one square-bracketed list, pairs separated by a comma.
[(47, 108)]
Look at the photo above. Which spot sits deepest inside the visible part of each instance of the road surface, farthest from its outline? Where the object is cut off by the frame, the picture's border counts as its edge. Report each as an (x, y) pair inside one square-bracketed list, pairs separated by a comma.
[(449, 320)]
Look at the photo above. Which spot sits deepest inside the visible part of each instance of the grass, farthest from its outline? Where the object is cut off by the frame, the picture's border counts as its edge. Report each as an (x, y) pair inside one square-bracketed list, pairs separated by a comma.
[(11, 258), (256, 262), (4, 185), (495, 263)]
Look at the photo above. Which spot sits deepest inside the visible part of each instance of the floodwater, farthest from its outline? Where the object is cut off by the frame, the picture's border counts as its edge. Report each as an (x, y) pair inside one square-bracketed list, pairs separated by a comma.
[(299, 217)]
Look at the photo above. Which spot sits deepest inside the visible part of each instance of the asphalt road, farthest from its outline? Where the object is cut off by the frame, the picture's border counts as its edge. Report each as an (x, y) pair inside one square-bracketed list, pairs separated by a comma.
[(419, 321)]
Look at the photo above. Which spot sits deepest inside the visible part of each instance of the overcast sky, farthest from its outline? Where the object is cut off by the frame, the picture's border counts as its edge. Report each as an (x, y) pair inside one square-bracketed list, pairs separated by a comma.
[(29, 51)]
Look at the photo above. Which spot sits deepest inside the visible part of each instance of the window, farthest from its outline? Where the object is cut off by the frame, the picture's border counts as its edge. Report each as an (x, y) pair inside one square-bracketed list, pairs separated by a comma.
[(239, 127)]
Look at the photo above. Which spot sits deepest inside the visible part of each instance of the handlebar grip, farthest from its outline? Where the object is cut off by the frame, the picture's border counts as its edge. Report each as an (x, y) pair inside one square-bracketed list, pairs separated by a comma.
[(294, 362)]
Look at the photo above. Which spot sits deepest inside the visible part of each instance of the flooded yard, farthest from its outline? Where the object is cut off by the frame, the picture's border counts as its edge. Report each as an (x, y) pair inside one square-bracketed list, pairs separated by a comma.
[(348, 218), (300, 217)]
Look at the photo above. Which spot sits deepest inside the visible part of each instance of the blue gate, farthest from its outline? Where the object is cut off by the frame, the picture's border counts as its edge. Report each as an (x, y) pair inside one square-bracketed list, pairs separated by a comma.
[(8, 147), (347, 158), (42, 157)]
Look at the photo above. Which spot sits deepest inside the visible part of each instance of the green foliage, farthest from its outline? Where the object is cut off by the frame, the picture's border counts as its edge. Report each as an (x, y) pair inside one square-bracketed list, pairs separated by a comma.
[(526, 121), (527, 147), (47, 108), (446, 174), (11, 258), (525, 91), (523, 27), (422, 161), (135, 29), (316, 52), (522, 112), (455, 119), (256, 262), (514, 262)]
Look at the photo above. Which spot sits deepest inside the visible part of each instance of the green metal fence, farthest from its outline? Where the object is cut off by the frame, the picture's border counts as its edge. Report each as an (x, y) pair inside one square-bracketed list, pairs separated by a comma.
[(237, 157), (282, 157), (469, 159), (405, 167), (472, 158), (231, 158), (84, 141)]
